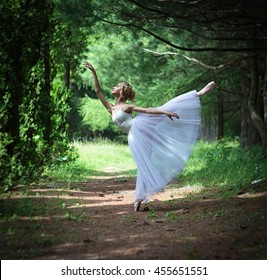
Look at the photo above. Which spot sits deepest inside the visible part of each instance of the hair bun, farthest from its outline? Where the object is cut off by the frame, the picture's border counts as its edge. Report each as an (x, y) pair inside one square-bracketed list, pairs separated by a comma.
[(127, 92)]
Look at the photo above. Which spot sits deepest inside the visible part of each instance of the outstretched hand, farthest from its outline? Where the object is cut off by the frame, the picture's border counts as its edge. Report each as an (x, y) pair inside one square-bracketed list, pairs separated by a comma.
[(172, 115), (89, 66)]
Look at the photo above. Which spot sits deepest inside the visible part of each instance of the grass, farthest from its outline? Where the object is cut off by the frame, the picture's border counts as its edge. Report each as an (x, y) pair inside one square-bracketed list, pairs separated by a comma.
[(219, 164), (95, 159), (225, 166)]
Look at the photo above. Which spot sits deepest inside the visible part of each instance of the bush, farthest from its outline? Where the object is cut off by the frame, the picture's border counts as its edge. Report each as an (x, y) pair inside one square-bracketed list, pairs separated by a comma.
[(224, 164)]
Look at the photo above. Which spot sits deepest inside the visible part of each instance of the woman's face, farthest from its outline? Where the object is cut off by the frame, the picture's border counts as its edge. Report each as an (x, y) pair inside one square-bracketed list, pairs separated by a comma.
[(116, 90)]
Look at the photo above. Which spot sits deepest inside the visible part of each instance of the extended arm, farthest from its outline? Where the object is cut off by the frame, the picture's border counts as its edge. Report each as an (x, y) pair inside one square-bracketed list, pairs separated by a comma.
[(98, 91), (131, 108)]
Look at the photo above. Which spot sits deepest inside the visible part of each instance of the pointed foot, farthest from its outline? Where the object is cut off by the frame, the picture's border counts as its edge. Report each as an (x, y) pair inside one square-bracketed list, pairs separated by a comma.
[(137, 206), (210, 86)]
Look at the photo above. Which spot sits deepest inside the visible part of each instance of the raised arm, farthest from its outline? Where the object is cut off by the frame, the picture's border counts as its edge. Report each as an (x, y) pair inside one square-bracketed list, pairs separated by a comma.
[(98, 91), (131, 108)]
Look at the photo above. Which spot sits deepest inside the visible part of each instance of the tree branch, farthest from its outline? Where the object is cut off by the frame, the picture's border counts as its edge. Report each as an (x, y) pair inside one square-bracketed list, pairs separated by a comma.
[(229, 18), (218, 67), (245, 49)]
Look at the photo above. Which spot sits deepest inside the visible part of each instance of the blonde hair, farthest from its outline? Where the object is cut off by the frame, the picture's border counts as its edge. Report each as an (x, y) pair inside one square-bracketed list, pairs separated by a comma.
[(127, 92)]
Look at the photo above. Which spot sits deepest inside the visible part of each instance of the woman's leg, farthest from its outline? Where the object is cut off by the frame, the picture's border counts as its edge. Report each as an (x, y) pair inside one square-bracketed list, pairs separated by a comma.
[(206, 89), (139, 192)]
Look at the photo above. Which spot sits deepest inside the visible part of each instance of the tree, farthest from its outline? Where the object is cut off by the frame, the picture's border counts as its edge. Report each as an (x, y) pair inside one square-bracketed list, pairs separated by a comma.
[(119, 55), (39, 56), (23, 27), (221, 34)]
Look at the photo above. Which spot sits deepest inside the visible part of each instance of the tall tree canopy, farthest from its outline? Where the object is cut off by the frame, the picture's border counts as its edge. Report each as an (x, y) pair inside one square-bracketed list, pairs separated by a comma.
[(214, 35)]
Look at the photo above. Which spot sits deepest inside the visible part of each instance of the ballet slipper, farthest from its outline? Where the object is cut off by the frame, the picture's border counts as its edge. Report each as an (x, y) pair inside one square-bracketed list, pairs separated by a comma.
[(207, 88), (137, 206)]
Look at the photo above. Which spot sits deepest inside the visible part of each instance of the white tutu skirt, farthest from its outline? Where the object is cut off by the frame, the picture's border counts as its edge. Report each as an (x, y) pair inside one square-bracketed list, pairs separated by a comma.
[(161, 147)]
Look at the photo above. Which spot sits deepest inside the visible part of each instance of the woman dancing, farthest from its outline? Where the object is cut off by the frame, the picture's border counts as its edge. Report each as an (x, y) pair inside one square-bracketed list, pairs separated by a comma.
[(160, 145)]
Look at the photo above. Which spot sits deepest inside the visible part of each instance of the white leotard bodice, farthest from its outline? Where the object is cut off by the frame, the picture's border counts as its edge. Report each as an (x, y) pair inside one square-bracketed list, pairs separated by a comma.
[(123, 120)]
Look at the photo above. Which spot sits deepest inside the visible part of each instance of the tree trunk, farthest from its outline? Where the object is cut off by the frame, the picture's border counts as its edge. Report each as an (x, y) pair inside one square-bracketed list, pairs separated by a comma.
[(46, 98), (252, 104), (220, 116), (67, 73), (265, 91), (209, 127), (16, 82), (249, 134)]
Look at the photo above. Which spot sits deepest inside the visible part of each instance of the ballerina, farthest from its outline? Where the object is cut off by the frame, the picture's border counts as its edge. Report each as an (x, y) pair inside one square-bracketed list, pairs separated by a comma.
[(160, 146)]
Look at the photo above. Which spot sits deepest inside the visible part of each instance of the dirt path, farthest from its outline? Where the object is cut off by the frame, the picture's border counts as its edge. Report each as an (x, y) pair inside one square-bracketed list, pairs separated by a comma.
[(96, 221)]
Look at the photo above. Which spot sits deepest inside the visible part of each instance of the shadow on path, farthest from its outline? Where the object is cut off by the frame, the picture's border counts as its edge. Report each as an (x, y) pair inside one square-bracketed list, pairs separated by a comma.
[(95, 220)]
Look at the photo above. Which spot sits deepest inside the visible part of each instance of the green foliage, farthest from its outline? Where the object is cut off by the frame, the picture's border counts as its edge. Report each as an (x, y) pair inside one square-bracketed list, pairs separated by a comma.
[(170, 216), (20, 47), (96, 120), (35, 51), (187, 48), (224, 164), (155, 79), (95, 159), (171, 201), (94, 114), (153, 214), (123, 53), (83, 217), (5, 164), (42, 47), (127, 218)]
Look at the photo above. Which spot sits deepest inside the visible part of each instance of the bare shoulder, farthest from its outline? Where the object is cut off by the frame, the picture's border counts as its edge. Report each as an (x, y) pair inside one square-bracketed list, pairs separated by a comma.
[(128, 108)]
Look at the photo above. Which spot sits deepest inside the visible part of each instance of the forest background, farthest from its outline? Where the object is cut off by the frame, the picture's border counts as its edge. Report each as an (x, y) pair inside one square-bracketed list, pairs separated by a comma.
[(163, 48)]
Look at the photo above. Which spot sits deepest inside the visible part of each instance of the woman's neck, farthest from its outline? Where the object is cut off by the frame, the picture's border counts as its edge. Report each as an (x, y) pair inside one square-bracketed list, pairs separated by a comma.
[(118, 101)]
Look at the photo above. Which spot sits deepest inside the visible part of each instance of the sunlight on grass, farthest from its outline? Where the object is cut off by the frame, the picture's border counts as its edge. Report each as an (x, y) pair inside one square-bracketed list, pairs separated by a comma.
[(105, 155), (95, 159), (224, 164), (221, 164)]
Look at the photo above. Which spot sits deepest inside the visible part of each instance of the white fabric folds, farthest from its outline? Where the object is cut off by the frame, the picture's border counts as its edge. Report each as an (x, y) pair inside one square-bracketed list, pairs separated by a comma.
[(161, 147)]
